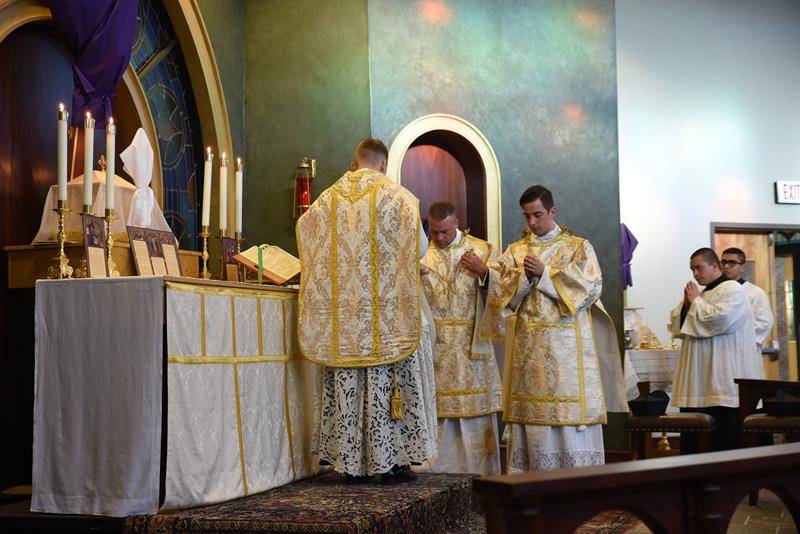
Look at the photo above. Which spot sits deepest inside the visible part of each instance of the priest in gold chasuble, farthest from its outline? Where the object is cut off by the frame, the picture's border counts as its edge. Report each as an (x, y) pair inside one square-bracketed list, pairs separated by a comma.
[(468, 391), (561, 349), (362, 316)]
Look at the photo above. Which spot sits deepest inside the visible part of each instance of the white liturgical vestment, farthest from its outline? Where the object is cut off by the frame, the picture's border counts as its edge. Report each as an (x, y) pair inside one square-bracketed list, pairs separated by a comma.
[(718, 346), (363, 316), (762, 312)]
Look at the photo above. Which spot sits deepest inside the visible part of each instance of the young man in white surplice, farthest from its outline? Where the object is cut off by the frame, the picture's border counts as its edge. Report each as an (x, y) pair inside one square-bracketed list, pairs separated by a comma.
[(716, 326)]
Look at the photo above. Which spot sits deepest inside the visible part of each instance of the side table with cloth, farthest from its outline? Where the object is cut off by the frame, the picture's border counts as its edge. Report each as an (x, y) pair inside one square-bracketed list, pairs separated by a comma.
[(656, 366), (238, 406)]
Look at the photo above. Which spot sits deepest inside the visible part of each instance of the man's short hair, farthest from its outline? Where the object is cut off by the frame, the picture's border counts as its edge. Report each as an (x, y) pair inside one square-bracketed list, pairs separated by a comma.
[(537, 192), (739, 253), (441, 209), (370, 150), (708, 255)]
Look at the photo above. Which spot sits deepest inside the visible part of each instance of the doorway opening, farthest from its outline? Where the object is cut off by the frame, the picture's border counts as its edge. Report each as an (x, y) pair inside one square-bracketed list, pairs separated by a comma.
[(442, 165), (773, 263), (444, 157)]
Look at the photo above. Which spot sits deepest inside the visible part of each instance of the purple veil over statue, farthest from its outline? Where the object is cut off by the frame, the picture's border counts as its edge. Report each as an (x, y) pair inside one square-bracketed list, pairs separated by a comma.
[(99, 33), (629, 243)]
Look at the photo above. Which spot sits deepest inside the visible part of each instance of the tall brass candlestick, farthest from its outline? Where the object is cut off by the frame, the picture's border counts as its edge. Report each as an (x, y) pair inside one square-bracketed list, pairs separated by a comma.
[(240, 267), (221, 255), (112, 267), (60, 268), (205, 234), (81, 272)]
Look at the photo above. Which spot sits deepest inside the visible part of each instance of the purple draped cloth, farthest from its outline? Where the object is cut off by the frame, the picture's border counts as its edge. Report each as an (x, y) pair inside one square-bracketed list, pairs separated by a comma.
[(629, 243), (99, 33)]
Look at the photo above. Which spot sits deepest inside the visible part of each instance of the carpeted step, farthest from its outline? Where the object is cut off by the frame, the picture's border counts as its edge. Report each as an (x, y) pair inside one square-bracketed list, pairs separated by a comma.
[(431, 503)]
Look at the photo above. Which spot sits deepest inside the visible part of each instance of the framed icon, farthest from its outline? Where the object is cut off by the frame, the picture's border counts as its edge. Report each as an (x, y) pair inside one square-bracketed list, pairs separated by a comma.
[(95, 246)]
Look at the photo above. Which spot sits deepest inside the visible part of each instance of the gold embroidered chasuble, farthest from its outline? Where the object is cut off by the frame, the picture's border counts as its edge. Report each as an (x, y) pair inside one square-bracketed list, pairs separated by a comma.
[(467, 378), (359, 299), (552, 371)]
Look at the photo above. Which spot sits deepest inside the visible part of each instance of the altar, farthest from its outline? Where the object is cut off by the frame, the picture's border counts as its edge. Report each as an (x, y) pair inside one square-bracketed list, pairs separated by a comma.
[(160, 393)]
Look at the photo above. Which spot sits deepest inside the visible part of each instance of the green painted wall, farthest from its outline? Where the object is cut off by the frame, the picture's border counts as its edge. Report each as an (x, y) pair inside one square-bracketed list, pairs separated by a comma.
[(224, 20), (306, 94)]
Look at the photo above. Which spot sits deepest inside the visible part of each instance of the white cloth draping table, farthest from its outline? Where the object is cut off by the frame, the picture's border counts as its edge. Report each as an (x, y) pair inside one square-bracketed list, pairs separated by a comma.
[(239, 404), (654, 365)]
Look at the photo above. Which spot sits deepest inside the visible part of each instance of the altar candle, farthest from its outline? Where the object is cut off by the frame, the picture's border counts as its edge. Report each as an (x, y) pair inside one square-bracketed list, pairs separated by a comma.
[(223, 192), (238, 195), (207, 187), (63, 117), (88, 155), (111, 134)]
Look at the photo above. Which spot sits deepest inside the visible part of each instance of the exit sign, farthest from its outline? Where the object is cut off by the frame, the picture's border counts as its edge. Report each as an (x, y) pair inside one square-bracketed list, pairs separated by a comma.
[(787, 192)]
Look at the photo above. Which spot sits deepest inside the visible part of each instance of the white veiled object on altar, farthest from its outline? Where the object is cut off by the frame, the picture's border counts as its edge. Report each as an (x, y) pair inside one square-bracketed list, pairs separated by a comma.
[(138, 162), (125, 194)]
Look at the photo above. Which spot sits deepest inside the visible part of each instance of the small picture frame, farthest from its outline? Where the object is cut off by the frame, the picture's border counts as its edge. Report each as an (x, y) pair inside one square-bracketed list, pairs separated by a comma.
[(230, 268), (154, 252), (95, 246)]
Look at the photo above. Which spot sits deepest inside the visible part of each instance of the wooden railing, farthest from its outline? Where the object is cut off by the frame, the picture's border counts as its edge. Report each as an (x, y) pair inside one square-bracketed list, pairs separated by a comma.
[(695, 494)]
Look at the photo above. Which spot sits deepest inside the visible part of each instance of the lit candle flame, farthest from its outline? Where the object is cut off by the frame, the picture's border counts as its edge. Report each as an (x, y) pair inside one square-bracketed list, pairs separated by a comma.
[(208, 150), (88, 115), (223, 155), (110, 121), (61, 106), (239, 161)]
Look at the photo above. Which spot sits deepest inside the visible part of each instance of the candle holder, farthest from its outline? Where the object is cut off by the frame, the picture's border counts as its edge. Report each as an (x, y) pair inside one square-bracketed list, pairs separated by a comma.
[(80, 271), (239, 239), (221, 236), (60, 268), (205, 234), (112, 267)]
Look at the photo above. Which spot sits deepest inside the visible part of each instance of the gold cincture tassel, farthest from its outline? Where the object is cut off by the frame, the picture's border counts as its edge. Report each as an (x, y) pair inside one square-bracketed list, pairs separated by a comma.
[(488, 437), (397, 403)]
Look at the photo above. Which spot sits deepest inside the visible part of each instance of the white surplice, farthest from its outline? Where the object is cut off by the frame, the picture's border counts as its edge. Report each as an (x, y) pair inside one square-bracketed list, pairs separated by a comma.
[(718, 346), (762, 312)]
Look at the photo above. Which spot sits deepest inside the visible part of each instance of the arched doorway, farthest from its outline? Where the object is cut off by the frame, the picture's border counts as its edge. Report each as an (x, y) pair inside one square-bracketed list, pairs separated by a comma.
[(442, 165), (443, 156)]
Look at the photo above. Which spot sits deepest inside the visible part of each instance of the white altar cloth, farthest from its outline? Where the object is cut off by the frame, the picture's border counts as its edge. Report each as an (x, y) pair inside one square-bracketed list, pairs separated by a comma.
[(239, 401), (656, 366)]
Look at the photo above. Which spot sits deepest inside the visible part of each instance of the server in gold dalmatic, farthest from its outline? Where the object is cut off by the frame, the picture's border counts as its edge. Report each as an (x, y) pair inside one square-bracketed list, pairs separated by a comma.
[(468, 392), (361, 317), (561, 348)]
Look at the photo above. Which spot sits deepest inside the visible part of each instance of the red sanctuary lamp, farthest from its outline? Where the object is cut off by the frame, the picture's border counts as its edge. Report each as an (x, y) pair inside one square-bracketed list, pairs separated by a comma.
[(305, 174)]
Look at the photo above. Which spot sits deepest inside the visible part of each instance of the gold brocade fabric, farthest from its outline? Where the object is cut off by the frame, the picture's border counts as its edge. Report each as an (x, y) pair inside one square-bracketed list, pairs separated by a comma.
[(552, 371), (359, 288), (467, 378)]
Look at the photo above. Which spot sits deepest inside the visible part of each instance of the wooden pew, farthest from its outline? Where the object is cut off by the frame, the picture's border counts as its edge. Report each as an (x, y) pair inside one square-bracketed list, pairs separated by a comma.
[(696, 494)]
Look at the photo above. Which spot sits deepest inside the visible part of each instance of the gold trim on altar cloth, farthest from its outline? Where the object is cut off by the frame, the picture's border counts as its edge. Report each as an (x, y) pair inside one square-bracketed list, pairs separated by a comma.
[(230, 291), (222, 360), (238, 399)]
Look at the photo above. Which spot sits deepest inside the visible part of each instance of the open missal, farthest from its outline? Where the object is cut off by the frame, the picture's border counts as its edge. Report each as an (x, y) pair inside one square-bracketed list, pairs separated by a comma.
[(277, 265)]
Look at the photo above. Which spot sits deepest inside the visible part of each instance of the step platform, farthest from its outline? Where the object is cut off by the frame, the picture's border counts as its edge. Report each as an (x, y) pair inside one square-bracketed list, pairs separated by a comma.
[(327, 503)]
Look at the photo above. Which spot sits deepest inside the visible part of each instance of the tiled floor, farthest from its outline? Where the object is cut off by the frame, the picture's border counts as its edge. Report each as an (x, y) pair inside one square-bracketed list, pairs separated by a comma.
[(769, 517)]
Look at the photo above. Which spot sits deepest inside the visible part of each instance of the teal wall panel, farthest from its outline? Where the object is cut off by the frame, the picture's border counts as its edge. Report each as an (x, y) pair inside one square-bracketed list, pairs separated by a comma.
[(538, 78)]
